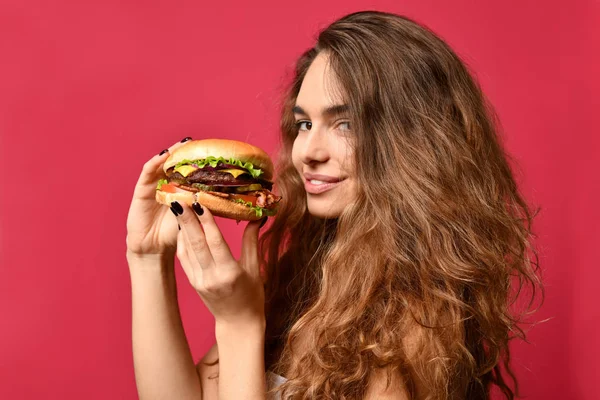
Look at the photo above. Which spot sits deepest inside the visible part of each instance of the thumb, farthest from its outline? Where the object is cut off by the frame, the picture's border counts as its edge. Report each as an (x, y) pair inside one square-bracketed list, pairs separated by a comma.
[(250, 240)]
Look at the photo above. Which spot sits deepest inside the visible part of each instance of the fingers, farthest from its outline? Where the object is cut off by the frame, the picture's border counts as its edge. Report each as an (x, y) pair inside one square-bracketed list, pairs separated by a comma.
[(250, 242), (205, 242), (153, 171), (195, 238), (183, 256), (187, 260), (217, 244)]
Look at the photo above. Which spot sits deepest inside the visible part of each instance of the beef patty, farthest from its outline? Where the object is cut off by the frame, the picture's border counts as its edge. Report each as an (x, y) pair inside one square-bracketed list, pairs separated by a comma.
[(216, 177)]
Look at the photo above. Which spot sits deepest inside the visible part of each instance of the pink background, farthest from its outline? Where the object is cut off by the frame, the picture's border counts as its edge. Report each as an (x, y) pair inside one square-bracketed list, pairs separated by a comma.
[(90, 90)]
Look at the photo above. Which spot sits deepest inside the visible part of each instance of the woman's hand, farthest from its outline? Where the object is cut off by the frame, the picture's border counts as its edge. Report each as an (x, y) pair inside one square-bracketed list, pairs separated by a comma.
[(151, 228), (232, 290)]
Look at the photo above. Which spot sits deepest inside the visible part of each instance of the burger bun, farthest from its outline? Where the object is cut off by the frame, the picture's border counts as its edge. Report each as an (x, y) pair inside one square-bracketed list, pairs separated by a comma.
[(218, 206), (226, 148)]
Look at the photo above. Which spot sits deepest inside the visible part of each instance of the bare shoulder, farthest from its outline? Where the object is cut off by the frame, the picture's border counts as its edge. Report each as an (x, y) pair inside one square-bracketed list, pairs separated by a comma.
[(208, 371)]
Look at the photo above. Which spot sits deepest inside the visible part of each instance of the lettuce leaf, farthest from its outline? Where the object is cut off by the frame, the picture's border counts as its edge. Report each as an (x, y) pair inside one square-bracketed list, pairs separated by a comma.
[(160, 183), (259, 211), (213, 161)]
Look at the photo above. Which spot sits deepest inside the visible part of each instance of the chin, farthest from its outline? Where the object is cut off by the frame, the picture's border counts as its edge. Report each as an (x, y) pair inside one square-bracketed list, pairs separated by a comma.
[(324, 211)]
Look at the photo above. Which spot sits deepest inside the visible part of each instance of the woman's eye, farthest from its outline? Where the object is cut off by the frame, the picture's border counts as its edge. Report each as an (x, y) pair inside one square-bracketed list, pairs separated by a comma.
[(346, 124), (300, 124)]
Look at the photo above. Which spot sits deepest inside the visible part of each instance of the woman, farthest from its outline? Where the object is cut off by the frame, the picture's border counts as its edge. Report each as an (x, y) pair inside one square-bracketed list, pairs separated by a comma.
[(394, 282)]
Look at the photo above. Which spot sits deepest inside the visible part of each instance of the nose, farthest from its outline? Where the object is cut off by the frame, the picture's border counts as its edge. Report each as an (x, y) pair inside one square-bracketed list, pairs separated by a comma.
[(315, 147)]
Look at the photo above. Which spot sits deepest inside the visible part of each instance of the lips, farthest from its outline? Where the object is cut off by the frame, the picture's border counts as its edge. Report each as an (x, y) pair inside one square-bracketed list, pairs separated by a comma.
[(323, 178), (320, 188)]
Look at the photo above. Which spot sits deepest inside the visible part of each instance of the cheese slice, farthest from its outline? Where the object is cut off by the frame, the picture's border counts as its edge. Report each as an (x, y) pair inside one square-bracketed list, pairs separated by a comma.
[(185, 170), (234, 172)]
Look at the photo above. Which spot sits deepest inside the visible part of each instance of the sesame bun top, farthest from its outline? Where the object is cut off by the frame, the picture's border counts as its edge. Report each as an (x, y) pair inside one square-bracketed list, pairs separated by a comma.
[(226, 148)]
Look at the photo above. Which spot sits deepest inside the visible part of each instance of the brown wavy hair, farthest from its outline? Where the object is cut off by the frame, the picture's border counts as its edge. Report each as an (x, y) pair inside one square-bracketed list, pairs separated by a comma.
[(419, 274)]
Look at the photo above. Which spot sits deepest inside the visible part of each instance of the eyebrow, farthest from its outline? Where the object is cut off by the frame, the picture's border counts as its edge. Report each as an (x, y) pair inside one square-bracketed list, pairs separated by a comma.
[(330, 112)]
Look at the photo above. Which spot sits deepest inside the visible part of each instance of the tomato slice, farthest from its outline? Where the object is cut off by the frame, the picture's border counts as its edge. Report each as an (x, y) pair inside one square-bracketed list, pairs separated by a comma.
[(168, 188)]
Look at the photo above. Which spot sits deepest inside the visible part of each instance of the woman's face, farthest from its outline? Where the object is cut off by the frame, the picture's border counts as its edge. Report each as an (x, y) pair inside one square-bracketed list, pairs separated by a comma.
[(322, 147)]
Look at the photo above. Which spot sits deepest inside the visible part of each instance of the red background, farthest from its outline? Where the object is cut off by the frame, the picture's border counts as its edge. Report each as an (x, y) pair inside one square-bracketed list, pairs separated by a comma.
[(90, 90)]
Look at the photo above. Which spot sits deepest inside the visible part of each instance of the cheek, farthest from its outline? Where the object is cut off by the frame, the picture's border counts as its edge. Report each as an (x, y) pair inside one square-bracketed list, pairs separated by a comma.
[(296, 154), (346, 159)]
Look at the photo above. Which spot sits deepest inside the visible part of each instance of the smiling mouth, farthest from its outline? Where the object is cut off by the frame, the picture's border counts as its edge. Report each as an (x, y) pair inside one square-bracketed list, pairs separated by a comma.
[(315, 186)]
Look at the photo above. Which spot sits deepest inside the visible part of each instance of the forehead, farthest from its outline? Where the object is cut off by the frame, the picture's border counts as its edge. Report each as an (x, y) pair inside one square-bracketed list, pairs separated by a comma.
[(320, 88)]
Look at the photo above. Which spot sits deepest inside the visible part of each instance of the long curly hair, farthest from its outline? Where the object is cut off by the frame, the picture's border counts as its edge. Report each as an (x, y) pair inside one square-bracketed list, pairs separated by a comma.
[(419, 275)]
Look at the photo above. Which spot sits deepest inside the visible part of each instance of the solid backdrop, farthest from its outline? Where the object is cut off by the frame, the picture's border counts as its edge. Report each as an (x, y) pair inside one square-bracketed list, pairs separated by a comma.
[(89, 90)]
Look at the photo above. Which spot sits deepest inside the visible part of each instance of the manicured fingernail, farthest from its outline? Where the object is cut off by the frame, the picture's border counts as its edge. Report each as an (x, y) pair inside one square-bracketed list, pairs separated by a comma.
[(163, 152), (177, 207), (198, 208), (264, 221), (185, 139), (174, 212)]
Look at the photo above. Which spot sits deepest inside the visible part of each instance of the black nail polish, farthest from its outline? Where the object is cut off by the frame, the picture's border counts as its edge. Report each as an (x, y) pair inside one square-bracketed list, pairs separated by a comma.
[(264, 221), (174, 212), (177, 207), (186, 139), (198, 208), (163, 152)]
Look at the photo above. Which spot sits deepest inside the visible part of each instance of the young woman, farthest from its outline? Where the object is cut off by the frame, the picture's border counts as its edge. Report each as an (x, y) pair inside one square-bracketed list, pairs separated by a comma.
[(400, 245)]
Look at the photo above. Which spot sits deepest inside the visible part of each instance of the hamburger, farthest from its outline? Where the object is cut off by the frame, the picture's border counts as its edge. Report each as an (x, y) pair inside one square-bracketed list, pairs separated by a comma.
[(232, 179)]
